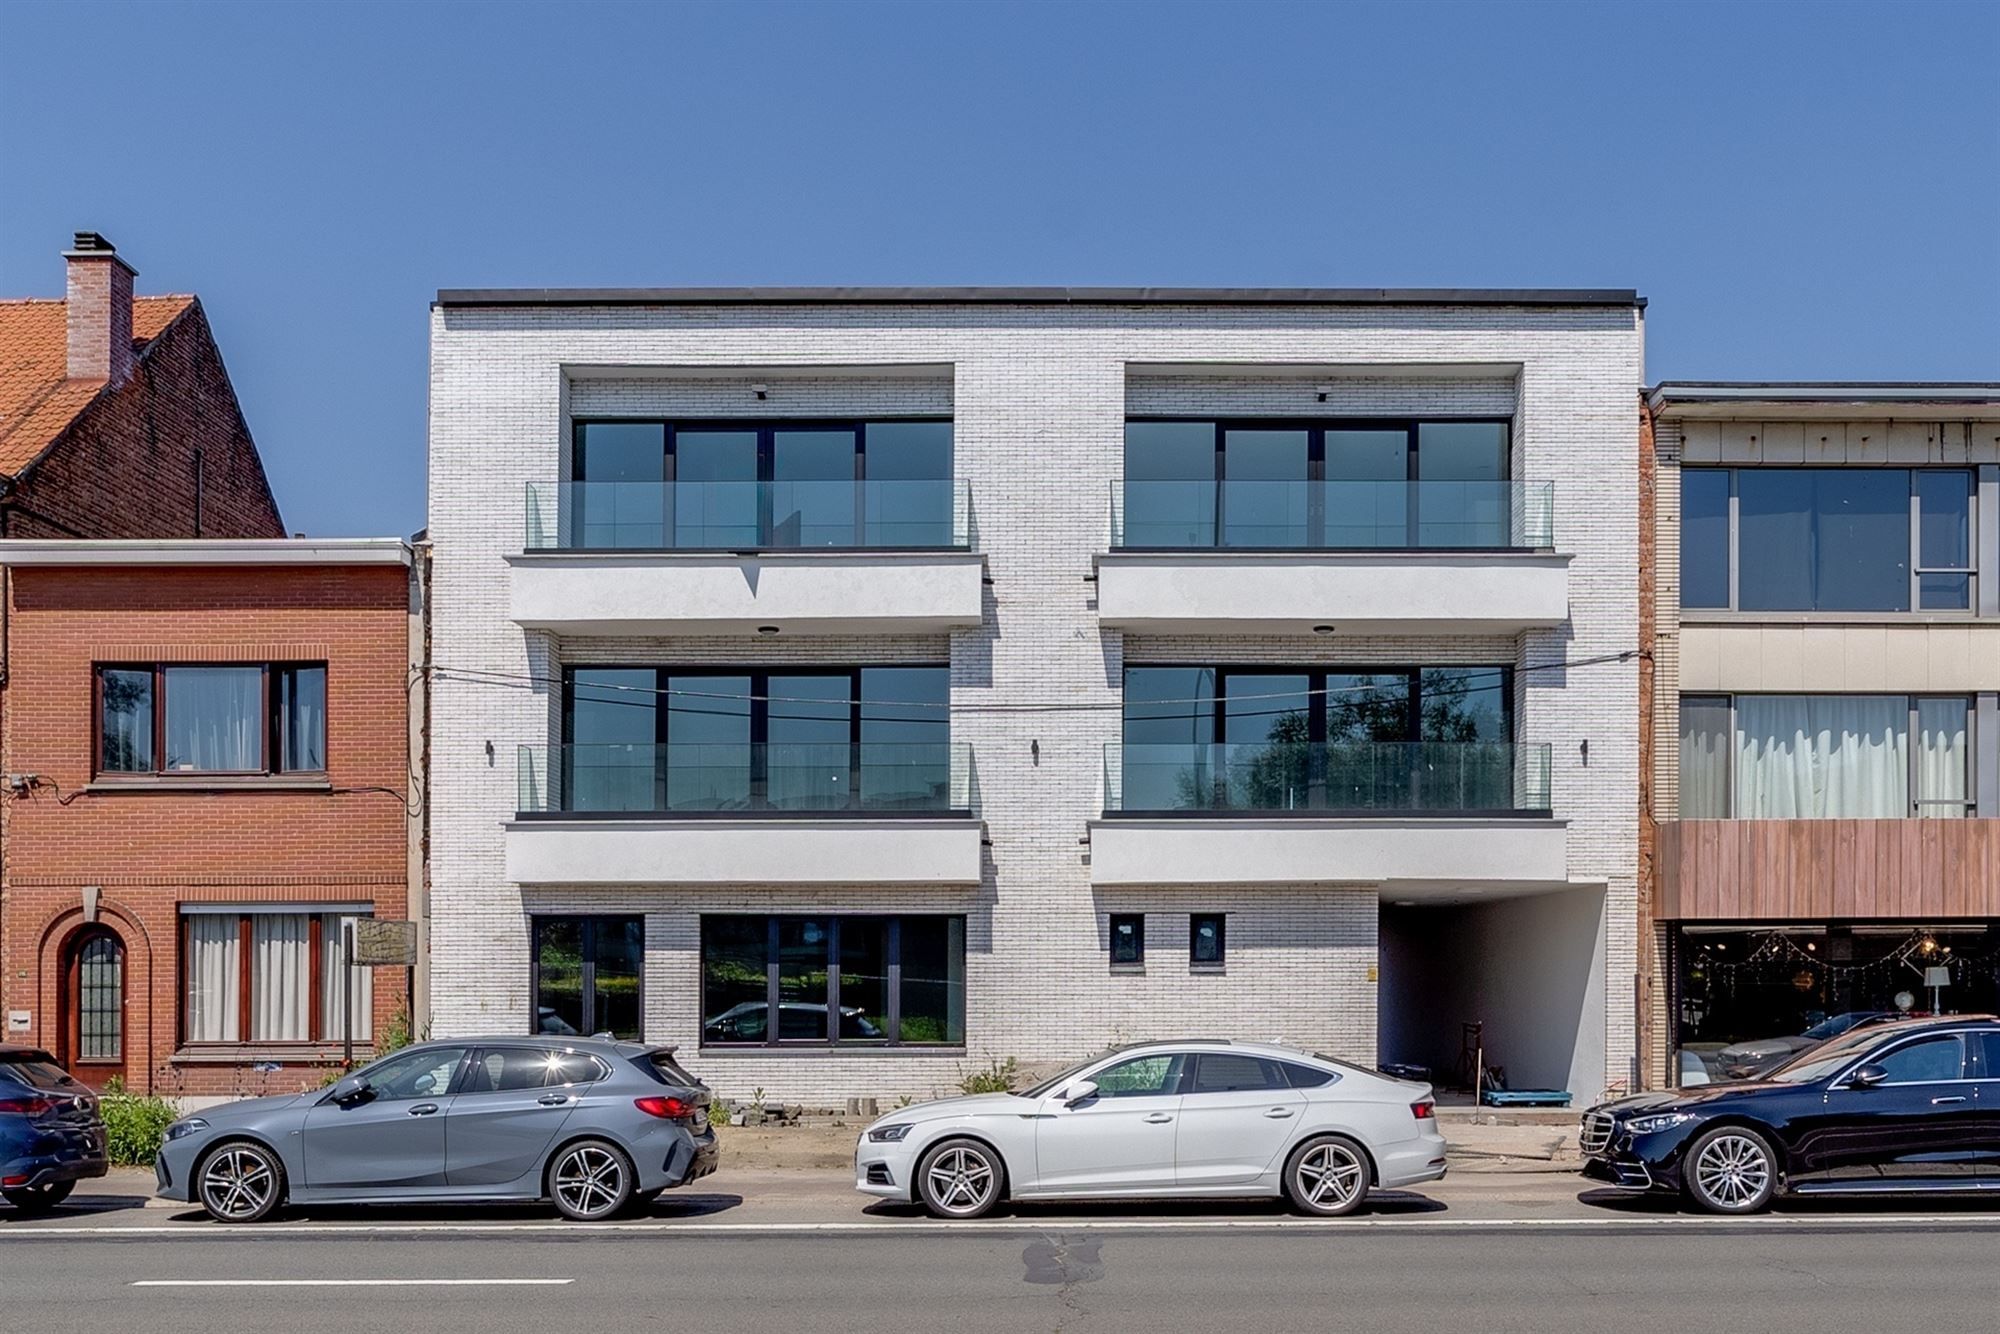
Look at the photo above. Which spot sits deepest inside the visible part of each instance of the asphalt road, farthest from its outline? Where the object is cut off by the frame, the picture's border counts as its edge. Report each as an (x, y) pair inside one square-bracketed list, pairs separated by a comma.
[(1507, 1253), (1794, 1277)]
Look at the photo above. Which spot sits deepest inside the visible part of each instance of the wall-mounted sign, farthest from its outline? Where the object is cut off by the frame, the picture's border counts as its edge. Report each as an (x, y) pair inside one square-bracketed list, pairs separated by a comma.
[(20, 1021), (380, 941)]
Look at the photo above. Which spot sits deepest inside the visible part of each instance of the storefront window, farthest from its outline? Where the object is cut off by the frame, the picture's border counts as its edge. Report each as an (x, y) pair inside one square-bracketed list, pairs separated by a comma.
[(1748, 1000), (838, 980)]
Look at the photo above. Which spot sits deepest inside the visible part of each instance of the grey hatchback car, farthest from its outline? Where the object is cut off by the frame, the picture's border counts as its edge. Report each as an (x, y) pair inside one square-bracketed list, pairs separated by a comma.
[(591, 1124)]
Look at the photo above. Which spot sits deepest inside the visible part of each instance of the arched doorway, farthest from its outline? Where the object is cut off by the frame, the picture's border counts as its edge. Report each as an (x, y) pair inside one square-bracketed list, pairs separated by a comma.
[(93, 1030)]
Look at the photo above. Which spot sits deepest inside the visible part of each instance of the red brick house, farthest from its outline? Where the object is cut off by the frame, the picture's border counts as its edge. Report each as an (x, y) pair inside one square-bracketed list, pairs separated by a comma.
[(117, 418), (208, 775)]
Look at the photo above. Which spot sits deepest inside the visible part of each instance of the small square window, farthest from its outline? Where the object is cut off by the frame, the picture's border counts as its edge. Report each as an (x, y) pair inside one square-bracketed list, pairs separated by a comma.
[(1128, 940), (1206, 939)]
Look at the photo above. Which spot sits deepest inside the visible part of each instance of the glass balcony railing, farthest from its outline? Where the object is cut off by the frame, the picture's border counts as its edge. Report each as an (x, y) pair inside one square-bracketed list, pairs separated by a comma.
[(1385, 778), (738, 516), (704, 778), (1332, 515)]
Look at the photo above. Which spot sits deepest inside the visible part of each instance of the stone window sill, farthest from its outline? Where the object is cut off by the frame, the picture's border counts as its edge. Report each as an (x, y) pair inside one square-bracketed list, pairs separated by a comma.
[(171, 783)]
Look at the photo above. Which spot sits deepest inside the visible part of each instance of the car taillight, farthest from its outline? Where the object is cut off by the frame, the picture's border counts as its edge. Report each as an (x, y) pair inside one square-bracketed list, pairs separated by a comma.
[(1424, 1110), (672, 1109), (27, 1106)]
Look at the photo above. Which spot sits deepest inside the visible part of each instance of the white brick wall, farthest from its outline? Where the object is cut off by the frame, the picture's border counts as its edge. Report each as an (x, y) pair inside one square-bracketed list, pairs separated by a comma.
[(1039, 396)]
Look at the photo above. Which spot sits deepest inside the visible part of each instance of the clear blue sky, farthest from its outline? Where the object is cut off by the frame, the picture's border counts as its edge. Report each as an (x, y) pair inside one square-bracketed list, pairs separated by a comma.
[(1803, 191)]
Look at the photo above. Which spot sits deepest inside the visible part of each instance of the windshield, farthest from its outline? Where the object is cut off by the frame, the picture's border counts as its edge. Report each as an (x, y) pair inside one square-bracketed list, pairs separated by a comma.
[(1821, 1061)]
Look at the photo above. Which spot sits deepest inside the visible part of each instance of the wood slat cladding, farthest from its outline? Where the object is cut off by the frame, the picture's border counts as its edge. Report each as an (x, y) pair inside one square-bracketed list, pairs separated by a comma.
[(1828, 870)]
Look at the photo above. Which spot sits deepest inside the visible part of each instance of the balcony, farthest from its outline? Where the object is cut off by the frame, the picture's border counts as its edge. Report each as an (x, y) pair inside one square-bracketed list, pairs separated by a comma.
[(700, 558), (704, 813), (1362, 557), (1285, 812)]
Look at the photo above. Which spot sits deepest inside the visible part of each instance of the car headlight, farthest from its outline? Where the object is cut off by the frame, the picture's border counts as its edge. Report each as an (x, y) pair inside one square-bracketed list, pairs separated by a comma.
[(187, 1127), (1653, 1125), (889, 1134)]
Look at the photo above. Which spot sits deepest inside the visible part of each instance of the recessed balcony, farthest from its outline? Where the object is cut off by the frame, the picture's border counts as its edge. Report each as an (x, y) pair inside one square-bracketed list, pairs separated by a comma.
[(707, 813), (702, 558), (1360, 812), (1342, 557)]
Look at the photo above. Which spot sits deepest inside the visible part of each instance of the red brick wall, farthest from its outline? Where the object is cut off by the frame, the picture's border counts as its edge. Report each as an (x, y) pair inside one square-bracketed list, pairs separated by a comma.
[(126, 467), (151, 851)]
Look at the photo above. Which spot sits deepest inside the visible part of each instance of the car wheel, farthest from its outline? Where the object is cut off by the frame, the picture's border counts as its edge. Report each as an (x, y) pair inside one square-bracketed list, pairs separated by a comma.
[(1327, 1176), (591, 1180), (39, 1199), (240, 1183), (960, 1178), (1731, 1170)]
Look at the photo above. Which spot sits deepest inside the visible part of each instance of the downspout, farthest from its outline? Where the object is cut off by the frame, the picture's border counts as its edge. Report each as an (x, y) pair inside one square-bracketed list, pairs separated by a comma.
[(1649, 831)]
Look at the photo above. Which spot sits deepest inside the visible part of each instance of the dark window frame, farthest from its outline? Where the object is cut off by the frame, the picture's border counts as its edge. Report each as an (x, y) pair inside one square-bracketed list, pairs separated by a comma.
[(759, 717), (272, 735), (1913, 553), (1138, 922), (316, 979), (1913, 758), (1316, 717), (1221, 959), (766, 429), (586, 966), (95, 934), (773, 965), (1316, 428)]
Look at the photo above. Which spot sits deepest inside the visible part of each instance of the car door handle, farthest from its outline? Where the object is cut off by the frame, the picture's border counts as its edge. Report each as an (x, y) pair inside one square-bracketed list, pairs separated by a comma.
[(423, 1109), (553, 1099), (1279, 1113), (1941, 1102), (1158, 1119)]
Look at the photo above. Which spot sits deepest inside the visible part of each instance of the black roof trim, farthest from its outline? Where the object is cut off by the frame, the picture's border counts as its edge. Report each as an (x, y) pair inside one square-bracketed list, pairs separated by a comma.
[(1823, 391), (1034, 296)]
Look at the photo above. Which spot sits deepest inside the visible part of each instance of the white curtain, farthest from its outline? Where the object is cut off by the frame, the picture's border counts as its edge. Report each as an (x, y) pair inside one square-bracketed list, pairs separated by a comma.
[(1941, 758), (302, 706), (280, 977), (214, 718), (212, 973), (1822, 757), (1705, 746), (331, 939)]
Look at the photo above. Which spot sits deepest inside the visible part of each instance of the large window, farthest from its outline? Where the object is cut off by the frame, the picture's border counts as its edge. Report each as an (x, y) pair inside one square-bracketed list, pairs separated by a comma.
[(833, 980), (222, 719), (1791, 757), (1330, 484), (1264, 738), (804, 739), (588, 975), (268, 976), (739, 484), (1826, 539)]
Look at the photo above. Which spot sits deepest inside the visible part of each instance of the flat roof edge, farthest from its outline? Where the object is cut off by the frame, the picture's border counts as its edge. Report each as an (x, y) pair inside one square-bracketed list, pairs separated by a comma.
[(1031, 296), (1668, 392), (205, 551)]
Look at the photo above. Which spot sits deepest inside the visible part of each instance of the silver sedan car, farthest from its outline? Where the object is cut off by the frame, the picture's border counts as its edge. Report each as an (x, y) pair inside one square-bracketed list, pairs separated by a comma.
[(1164, 1119), (590, 1124)]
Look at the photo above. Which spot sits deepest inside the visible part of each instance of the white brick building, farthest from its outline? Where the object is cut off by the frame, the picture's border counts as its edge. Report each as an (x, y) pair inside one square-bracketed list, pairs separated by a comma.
[(661, 642)]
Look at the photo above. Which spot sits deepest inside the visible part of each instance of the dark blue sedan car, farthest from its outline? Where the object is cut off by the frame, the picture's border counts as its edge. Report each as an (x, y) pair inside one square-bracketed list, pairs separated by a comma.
[(51, 1135)]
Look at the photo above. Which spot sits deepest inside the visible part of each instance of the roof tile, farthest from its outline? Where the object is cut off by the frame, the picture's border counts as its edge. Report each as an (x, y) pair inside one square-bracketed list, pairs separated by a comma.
[(37, 399)]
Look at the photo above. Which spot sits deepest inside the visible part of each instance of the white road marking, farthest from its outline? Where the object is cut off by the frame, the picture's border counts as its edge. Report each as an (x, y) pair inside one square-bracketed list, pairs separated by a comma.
[(351, 1282), (892, 1227)]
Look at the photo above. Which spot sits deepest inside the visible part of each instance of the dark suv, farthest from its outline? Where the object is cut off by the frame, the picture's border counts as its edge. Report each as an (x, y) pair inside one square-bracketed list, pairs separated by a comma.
[(1896, 1108), (51, 1135)]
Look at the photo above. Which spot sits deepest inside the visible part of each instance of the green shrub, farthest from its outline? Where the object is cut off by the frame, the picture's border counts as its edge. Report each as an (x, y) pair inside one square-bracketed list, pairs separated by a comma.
[(395, 1034), (134, 1127), (997, 1077)]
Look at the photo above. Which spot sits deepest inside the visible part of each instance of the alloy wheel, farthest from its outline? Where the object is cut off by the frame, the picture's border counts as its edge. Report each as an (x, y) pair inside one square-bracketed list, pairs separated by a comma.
[(1732, 1172), (239, 1183), (961, 1180), (589, 1182), (1330, 1177)]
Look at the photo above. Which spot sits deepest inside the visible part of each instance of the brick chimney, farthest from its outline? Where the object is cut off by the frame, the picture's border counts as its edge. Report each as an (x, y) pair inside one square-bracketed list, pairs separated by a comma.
[(100, 310)]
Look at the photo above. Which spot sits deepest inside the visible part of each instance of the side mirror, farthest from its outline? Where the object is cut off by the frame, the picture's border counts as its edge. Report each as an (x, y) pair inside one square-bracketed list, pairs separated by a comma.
[(1078, 1092), (1867, 1077), (348, 1088)]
